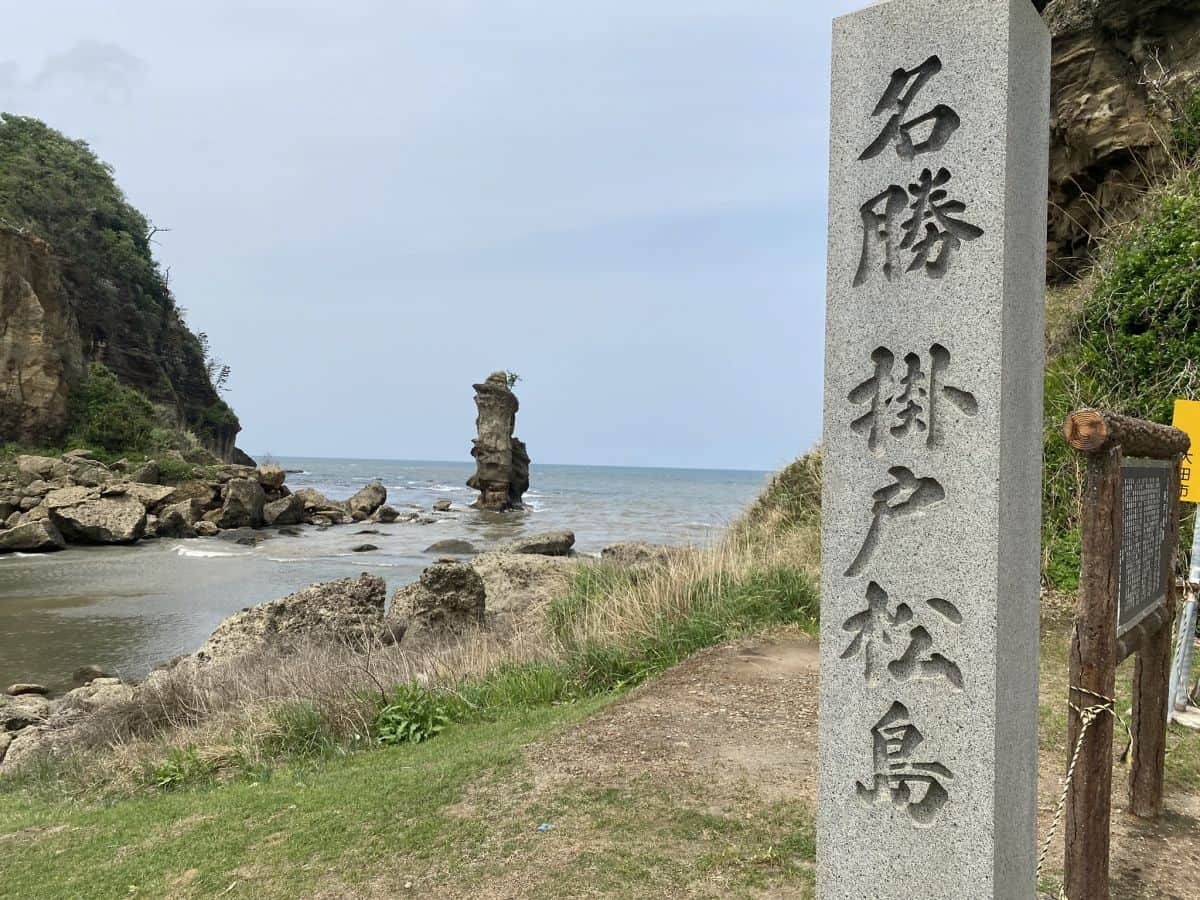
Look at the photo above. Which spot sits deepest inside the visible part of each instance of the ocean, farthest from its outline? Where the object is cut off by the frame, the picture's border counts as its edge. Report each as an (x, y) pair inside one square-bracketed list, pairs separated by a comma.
[(127, 609)]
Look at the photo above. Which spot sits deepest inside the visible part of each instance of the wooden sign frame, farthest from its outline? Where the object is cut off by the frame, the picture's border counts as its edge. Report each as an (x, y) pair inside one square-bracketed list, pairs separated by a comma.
[(1107, 439)]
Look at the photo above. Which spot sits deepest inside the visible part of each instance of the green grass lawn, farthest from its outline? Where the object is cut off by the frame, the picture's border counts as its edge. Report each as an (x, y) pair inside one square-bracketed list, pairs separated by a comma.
[(446, 817)]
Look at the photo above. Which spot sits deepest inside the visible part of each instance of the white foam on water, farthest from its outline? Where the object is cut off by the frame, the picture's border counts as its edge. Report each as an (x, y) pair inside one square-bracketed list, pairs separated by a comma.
[(191, 553)]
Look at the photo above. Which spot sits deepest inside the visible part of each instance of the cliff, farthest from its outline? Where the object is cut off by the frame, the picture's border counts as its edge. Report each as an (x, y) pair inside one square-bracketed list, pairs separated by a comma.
[(79, 285), (1124, 72)]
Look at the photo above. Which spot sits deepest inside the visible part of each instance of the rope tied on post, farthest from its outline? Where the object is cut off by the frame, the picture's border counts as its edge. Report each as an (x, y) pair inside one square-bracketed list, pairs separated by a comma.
[(1087, 716)]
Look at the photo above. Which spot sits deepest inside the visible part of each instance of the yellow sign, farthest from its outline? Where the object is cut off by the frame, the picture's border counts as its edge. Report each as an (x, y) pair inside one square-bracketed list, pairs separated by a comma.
[(1187, 418)]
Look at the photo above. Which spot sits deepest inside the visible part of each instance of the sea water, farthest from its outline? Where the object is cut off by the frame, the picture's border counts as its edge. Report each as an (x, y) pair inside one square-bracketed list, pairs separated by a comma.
[(129, 608)]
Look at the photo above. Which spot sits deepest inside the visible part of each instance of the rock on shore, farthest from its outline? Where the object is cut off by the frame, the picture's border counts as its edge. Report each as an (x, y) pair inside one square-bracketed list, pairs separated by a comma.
[(49, 502), (501, 460)]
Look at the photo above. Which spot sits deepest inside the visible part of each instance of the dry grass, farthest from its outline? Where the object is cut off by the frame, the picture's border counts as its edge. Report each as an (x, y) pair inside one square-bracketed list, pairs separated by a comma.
[(612, 627)]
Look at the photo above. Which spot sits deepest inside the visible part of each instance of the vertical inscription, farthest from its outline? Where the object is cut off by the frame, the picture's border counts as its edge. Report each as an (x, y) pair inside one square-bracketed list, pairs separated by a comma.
[(931, 435)]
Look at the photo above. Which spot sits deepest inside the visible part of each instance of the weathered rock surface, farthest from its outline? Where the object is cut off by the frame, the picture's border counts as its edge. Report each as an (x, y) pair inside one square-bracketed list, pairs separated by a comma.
[(448, 599), (454, 547), (501, 460), (41, 353), (1121, 70), (17, 713), (348, 610), (118, 519), (287, 510), (270, 477), (366, 501), (244, 500), (518, 586), (32, 537), (639, 554), (179, 519), (550, 543), (386, 514)]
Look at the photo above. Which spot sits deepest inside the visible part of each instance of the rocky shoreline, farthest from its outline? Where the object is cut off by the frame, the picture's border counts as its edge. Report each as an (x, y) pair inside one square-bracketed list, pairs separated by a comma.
[(503, 591), (48, 502)]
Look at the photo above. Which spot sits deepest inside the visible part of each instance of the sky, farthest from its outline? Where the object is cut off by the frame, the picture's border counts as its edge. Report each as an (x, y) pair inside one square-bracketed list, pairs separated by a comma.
[(373, 205)]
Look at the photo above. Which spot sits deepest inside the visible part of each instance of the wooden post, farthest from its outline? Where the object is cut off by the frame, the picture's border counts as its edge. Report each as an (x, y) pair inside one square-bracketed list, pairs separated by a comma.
[(1151, 678), (1106, 439), (1093, 668)]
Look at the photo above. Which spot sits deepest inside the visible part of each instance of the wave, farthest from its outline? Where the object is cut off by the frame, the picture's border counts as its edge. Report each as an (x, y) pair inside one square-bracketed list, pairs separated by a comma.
[(191, 553)]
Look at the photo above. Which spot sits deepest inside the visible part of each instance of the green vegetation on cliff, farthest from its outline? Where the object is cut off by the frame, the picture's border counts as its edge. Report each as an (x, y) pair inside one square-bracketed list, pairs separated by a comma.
[(123, 313), (1127, 339)]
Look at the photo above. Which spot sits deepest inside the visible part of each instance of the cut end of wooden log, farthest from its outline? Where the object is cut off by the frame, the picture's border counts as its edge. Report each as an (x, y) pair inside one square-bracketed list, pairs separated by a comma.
[(1086, 430)]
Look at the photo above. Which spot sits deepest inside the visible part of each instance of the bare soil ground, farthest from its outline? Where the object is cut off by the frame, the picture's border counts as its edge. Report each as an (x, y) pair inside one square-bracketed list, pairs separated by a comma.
[(735, 728)]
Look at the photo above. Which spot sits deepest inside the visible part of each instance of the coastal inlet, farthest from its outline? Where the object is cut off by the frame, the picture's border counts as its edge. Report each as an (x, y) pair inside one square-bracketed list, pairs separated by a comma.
[(128, 608)]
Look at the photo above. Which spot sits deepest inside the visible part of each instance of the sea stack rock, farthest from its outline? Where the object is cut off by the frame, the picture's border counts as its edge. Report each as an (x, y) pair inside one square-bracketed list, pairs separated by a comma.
[(501, 462)]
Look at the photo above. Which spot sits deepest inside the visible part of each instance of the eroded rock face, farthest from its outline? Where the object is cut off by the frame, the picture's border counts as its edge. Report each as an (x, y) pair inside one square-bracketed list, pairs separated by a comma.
[(114, 519), (41, 353), (243, 506), (32, 537), (501, 461), (348, 610), (548, 543), (287, 510), (364, 503), (1121, 68), (448, 599)]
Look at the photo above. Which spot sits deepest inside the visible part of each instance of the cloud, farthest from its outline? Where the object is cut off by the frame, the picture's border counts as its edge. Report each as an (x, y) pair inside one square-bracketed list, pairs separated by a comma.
[(109, 73)]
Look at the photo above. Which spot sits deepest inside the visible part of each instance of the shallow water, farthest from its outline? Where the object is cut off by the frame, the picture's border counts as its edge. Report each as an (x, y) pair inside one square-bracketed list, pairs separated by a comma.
[(128, 608)]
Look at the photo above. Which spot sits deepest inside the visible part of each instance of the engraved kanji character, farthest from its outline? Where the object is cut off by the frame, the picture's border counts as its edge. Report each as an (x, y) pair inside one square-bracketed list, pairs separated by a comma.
[(907, 496), (900, 93), (878, 389), (916, 787), (918, 662), (873, 626), (943, 233), (912, 398)]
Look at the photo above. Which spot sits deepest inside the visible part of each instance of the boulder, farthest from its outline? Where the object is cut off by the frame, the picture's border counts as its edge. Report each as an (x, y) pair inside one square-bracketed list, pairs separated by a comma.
[(453, 547), (17, 713), (386, 514), (519, 586), (549, 543), (5, 740), (103, 520), (21, 688), (150, 496), (639, 554), (100, 692), (348, 610), (286, 511), (32, 537), (442, 506), (45, 468), (179, 519), (366, 501), (501, 460), (270, 477), (147, 473), (363, 548), (243, 504), (193, 490), (87, 674), (448, 599), (206, 529), (26, 746), (318, 506)]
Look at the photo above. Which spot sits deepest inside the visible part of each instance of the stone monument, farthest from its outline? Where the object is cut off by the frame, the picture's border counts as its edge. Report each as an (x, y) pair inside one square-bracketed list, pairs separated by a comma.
[(932, 439), (501, 460)]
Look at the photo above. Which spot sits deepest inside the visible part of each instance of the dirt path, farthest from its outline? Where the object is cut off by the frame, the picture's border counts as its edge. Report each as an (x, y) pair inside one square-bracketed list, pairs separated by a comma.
[(741, 720)]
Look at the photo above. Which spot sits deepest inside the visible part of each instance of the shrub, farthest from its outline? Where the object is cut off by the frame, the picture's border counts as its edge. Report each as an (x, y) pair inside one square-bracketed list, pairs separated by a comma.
[(182, 767), (298, 728), (413, 714), (108, 415)]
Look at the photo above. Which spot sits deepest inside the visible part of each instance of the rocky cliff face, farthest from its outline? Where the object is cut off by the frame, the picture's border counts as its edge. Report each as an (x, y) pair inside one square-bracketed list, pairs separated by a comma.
[(50, 330), (1121, 71), (501, 461), (41, 355)]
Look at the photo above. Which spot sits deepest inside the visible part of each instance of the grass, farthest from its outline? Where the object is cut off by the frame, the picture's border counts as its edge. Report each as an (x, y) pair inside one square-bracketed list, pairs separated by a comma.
[(448, 816)]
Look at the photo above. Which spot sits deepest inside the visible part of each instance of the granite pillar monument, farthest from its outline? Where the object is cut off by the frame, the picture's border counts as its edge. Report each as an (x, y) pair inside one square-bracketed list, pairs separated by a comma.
[(932, 441)]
